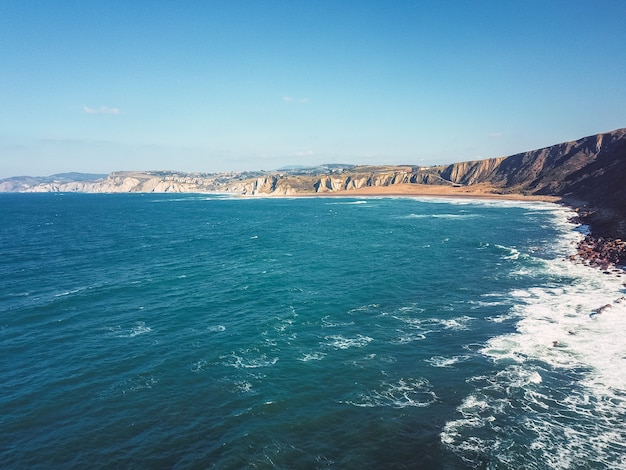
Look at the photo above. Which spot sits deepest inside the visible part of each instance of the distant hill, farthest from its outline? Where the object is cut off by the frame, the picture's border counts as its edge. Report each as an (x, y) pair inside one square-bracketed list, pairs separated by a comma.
[(73, 176), (589, 173), (316, 169), (26, 183)]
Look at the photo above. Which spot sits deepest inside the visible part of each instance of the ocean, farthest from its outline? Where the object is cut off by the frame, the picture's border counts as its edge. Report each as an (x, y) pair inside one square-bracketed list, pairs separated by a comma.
[(207, 331)]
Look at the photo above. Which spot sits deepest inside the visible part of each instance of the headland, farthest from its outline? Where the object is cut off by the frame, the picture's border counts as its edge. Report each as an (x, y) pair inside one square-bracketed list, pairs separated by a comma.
[(587, 174)]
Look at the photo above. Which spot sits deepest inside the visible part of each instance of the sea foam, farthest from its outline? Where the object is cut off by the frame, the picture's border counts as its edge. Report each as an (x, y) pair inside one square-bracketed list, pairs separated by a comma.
[(557, 335)]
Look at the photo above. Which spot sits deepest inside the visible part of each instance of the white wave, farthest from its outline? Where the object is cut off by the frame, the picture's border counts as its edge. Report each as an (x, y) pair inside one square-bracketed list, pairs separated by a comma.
[(347, 203), (315, 356), (326, 323), (200, 197), (248, 360), (511, 251), (437, 324), (488, 303), (406, 392), (139, 328), (442, 216), (521, 272), (458, 324), (561, 376), (501, 318), (562, 427), (341, 342), (199, 366), (441, 361), (242, 386), (537, 206), (66, 293), (575, 325), (410, 337), (216, 328), (364, 308), (18, 294), (418, 216), (410, 309), (283, 325), (519, 293)]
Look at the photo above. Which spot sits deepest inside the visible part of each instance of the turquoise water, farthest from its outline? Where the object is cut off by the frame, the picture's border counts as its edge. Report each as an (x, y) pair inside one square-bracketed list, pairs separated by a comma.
[(205, 331)]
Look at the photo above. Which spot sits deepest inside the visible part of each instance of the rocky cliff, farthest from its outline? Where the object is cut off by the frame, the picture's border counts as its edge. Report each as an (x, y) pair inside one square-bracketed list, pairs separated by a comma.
[(589, 172)]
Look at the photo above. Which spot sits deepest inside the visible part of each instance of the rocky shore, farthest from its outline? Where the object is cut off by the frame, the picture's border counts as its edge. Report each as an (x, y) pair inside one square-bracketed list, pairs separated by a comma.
[(587, 174), (604, 247), (603, 253)]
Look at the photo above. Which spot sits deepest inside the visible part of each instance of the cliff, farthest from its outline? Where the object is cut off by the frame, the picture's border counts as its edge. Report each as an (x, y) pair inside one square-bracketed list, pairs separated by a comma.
[(28, 183), (588, 173)]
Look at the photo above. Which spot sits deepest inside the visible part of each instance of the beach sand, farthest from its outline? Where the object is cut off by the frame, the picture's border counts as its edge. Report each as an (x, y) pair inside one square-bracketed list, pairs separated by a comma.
[(474, 191)]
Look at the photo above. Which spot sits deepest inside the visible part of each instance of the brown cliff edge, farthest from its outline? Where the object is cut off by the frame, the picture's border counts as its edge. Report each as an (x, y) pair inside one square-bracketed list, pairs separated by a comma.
[(588, 174)]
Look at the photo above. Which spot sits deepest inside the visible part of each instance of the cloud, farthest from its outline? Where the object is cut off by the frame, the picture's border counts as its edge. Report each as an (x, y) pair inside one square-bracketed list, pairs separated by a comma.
[(291, 99), (303, 153), (73, 141), (101, 110)]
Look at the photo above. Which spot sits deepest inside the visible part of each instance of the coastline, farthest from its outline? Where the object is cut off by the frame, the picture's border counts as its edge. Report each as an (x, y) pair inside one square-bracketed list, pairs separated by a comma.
[(603, 247), (605, 253), (399, 334), (415, 190)]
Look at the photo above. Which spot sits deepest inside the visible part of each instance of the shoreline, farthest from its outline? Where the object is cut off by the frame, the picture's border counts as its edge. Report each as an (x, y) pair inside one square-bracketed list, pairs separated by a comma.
[(417, 190), (602, 248), (607, 254)]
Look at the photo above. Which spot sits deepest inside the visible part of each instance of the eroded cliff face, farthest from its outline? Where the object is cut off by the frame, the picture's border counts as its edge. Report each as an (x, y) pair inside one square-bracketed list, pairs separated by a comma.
[(591, 170), (570, 168), (589, 173), (474, 172), (120, 182)]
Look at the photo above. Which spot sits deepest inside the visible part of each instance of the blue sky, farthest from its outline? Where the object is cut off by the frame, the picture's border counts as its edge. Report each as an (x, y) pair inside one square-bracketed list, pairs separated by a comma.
[(208, 86)]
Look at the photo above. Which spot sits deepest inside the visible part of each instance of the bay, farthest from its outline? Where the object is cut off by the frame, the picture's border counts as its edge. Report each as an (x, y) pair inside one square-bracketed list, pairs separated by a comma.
[(157, 330)]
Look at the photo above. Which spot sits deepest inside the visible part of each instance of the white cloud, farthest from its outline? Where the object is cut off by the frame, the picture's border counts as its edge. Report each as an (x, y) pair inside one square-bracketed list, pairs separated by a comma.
[(101, 110), (291, 99), (303, 153)]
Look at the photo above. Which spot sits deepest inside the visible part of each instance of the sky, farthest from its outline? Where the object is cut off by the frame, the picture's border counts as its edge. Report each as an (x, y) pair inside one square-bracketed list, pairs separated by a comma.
[(233, 85)]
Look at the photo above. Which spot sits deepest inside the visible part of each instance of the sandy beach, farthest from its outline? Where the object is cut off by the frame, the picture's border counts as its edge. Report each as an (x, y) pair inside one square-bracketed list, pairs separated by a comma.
[(475, 191)]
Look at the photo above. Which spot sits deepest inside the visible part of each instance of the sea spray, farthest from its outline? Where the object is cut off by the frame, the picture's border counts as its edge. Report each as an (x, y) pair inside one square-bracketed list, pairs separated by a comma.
[(149, 330)]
